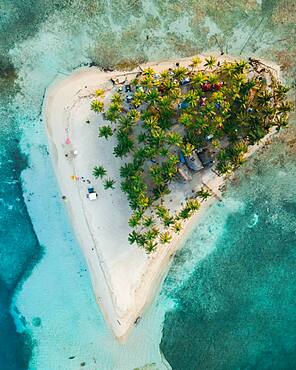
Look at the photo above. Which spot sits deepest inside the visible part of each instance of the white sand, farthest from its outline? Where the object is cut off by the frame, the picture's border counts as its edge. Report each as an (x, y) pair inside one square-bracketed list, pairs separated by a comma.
[(124, 277)]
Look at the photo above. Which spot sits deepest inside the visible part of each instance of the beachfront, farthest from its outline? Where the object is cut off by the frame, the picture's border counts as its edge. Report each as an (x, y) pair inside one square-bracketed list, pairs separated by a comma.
[(124, 277)]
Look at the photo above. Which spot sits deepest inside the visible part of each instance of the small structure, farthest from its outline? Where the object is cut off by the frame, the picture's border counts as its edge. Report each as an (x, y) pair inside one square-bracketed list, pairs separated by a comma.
[(205, 158), (193, 162)]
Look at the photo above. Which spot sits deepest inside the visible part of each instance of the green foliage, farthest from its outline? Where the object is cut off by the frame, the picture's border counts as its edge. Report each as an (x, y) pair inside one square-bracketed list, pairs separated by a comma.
[(99, 172), (165, 237), (135, 219), (148, 221), (109, 184), (223, 107), (124, 144), (204, 194), (210, 62), (97, 106), (195, 62), (105, 131), (100, 93), (177, 227)]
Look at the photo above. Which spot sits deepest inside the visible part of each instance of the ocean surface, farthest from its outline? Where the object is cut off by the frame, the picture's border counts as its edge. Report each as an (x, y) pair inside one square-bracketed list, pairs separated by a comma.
[(228, 301)]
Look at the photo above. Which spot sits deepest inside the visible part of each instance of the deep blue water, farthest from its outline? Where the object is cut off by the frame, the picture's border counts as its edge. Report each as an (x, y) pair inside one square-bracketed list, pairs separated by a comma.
[(236, 308), (19, 247)]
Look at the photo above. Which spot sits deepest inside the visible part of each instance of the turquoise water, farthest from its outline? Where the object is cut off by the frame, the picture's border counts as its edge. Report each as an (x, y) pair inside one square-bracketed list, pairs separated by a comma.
[(237, 308), (228, 299)]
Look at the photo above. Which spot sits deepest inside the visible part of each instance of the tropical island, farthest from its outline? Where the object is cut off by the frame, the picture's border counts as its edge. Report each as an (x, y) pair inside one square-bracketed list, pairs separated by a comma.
[(137, 154)]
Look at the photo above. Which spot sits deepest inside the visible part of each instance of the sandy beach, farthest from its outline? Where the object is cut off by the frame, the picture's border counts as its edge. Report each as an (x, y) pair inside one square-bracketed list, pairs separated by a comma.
[(124, 277)]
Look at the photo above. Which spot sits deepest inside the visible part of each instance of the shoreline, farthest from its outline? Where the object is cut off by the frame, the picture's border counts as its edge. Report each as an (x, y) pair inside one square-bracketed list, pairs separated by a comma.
[(61, 100)]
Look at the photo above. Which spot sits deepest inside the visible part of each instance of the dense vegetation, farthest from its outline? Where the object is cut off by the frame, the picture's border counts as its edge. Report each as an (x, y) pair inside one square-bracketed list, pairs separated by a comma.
[(224, 107)]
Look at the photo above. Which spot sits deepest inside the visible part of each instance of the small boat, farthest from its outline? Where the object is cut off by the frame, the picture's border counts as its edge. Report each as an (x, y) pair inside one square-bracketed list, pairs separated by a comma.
[(137, 320)]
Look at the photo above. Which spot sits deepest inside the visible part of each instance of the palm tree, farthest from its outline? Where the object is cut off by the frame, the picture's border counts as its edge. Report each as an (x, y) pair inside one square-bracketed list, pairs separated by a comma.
[(213, 78), (193, 205), (165, 75), (150, 246), (165, 237), (193, 98), (164, 103), (100, 93), (149, 72), (155, 172), (111, 116), (125, 122), (195, 62), (180, 73), (168, 221), (187, 149), (133, 237), (150, 235), (115, 107), (117, 98), (162, 212), (285, 107), (160, 191), (177, 227), (280, 90), (143, 201), (263, 97), (184, 214), (148, 221), (97, 106), (127, 170), (152, 97), (105, 131), (124, 144), (138, 98), (174, 138), (203, 194), (240, 67), (134, 115), (186, 119), (99, 172), (198, 78), (210, 62), (134, 220), (109, 184), (150, 122)]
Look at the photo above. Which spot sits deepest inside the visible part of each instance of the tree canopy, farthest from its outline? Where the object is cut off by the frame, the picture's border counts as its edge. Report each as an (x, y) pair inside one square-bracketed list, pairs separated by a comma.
[(224, 107)]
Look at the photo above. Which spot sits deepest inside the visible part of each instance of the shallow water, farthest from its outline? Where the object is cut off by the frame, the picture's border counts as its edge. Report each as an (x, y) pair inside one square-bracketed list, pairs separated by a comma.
[(51, 300)]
